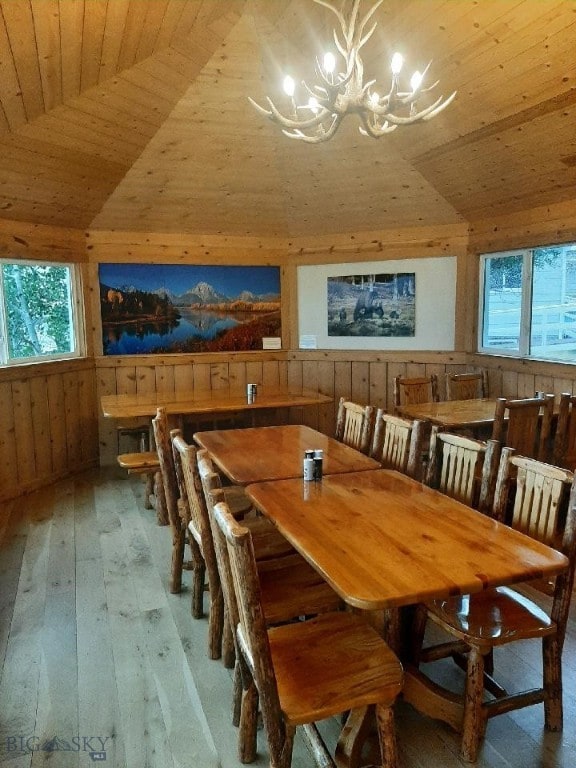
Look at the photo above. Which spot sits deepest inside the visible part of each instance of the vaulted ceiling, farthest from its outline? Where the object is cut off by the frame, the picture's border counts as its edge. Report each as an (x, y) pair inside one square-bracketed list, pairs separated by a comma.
[(133, 115)]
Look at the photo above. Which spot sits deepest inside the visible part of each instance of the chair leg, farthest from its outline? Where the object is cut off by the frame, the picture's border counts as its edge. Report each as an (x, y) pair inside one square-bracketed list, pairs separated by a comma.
[(236, 694), (198, 578), (248, 722), (215, 622), (474, 723), (161, 508), (178, 545), (387, 736), (419, 621), (149, 490), (552, 671)]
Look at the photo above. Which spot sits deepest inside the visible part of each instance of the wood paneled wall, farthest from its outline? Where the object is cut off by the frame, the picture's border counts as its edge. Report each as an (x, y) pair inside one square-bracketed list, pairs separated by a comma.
[(48, 427)]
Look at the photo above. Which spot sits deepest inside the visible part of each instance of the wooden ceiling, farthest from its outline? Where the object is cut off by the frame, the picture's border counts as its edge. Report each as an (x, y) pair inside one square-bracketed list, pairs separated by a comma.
[(132, 115)]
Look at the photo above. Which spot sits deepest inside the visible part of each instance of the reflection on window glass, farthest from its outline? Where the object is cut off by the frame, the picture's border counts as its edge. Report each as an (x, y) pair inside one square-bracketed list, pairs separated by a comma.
[(553, 328), (37, 311), (502, 302)]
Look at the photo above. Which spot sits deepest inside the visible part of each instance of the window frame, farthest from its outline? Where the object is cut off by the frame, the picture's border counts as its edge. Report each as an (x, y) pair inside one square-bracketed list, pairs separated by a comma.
[(77, 325), (526, 304)]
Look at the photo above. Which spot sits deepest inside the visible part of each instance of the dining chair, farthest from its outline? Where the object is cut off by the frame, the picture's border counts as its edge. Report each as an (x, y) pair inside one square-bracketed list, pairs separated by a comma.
[(524, 425), (305, 671), (270, 542), (411, 391), (564, 443), (466, 386), (171, 496), (398, 443), (290, 591), (463, 468), (543, 499), (354, 424)]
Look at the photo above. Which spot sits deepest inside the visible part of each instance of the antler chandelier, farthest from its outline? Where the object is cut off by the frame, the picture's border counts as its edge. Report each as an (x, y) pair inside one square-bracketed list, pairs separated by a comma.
[(341, 93)]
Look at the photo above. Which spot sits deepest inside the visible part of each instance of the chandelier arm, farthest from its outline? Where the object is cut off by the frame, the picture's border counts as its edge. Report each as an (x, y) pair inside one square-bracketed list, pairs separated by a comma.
[(319, 136), (367, 36), (262, 110), (377, 132), (440, 107), (424, 114), (288, 122), (368, 16)]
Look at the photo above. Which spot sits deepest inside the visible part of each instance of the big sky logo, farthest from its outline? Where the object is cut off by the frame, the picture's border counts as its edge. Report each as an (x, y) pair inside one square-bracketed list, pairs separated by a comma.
[(94, 746)]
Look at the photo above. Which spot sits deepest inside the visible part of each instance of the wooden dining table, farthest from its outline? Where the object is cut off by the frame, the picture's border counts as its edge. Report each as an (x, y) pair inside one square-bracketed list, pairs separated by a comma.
[(476, 413), (383, 540), (274, 453), (200, 402)]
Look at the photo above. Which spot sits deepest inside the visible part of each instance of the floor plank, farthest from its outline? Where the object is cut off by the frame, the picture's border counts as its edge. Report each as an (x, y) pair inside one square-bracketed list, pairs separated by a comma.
[(97, 655)]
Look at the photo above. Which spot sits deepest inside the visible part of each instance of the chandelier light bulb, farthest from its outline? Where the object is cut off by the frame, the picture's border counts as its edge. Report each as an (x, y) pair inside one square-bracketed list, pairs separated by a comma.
[(329, 63), (415, 81), (313, 104), (289, 85), (396, 63), (374, 99)]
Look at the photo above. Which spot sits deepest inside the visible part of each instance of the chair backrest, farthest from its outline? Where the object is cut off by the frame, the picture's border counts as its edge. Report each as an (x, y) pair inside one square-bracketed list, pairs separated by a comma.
[(411, 391), (398, 443), (564, 445), (463, 468), (525, 425), (466, 386), (199, 523), (166, 461), (542, 500), (248, 620), (354, 424)]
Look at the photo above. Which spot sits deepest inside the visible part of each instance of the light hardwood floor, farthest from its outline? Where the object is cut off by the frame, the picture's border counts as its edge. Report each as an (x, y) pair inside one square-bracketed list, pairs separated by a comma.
[(97, 655)]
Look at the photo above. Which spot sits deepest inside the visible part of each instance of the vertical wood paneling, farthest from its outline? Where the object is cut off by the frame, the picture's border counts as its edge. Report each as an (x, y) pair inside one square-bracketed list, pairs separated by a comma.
[(56, 401), (23, 431), (145, 379), (40, 413), (71, 410), (378, 385), (9, 462), (183, 377), (360, 382), (219, 376)]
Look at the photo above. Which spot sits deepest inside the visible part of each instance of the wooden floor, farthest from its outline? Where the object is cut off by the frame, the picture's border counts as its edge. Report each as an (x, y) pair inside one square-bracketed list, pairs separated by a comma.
[(99, 663)]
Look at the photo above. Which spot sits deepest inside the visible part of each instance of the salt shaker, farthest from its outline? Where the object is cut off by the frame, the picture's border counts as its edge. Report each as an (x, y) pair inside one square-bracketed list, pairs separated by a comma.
[(308, 466), (251, 393)]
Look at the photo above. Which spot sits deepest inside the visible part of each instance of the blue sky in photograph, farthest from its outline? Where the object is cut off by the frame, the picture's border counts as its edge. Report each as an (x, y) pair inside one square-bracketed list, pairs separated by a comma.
[(179, 278)]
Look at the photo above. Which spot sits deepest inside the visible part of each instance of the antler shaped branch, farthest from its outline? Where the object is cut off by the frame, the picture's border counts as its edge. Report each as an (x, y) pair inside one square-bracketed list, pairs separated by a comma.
[(337, 96)]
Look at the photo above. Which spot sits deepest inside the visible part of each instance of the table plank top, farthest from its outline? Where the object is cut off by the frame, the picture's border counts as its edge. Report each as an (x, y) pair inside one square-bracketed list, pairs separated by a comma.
[(476, 412), (272, 453), (381, 539), (199, 402)]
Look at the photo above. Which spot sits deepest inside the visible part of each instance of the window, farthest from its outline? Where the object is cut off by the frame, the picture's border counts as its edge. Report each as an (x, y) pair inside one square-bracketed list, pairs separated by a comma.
[(528, 303), (38, 312)]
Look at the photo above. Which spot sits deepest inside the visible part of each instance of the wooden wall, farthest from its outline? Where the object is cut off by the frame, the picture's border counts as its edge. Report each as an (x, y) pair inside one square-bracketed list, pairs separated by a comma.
[(48, 427)]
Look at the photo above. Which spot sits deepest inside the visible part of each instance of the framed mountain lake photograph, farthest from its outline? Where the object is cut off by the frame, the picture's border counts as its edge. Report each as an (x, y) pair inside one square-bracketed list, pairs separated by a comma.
[(169, 308)]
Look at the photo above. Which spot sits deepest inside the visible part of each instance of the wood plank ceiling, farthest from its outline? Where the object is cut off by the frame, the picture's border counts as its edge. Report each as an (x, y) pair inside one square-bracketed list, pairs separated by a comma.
[(132, 115)]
